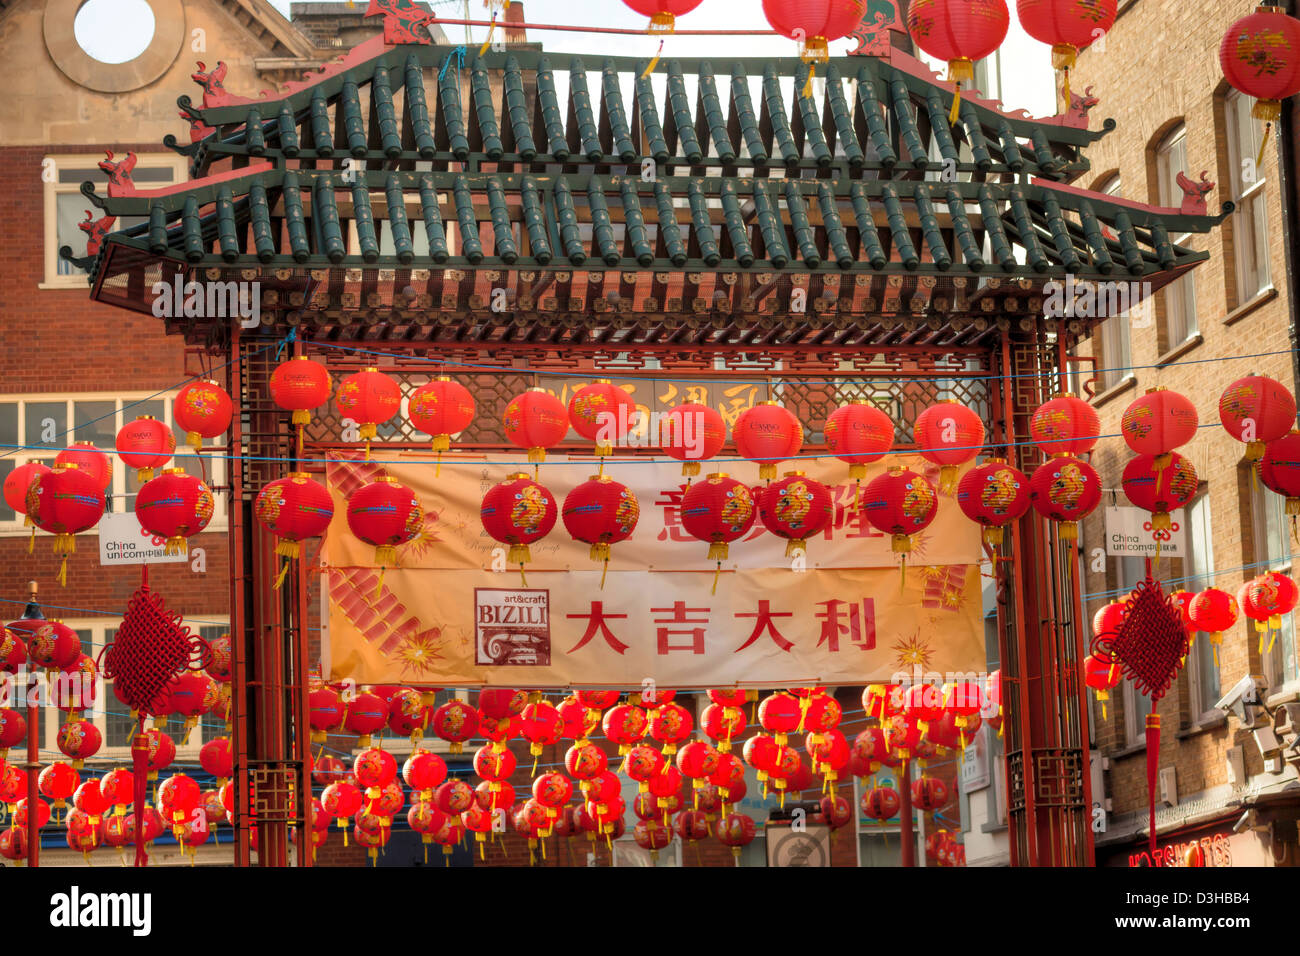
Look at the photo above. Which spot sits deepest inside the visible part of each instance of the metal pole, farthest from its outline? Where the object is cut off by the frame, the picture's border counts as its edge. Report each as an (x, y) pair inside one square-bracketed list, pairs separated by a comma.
[(33, 612), (238, 624)]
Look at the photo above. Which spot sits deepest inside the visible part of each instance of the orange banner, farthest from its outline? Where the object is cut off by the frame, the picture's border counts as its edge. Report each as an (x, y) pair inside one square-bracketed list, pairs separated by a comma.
[(453, 613)]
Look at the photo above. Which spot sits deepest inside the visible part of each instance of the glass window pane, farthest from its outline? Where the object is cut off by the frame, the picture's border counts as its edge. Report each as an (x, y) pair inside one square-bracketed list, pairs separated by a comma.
[(95, 422), (69, 210), (9, 425), (45, 424), (6, 513)]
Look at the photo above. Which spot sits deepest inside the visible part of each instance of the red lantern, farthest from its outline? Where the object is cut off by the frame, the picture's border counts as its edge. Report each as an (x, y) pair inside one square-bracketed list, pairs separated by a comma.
[(369, 398), (1065, 490), (535, 420), (13, 651), (780, 715), (691, 433), (454, 797), (602, 413), (929, 794), (424, 772), (15, 488), (993, 494), (78, 739), (960, 32), (1264, 599), (326, 713), (829, 753), (58, 782), (299, 385), (836, 811), (698, 760), (294, 508), (767, 433), (204, 410), (881, 803), (517, 512), (441, 408), (1102, 676), (736, 830), (65, 502), (217, 759), (643, 764), (1159, 490), (541, 725), (13, 843), (1279, 470), (813, 23), (670, 725), (900, 503), (949, 434), (1260, 56), (1256, 410), (552, 790), (160, 751), (1158, 422), (719, 510), (723, 724), (662, 13), (385, 513), (1109, 619), (366, 714), (407, 714), (456, 722), (174, 506), (13, 730), (584, 762), (1213, 611), (145, 444), (74, 687), (882, 701), (50, 644), (1067, 26), (624, 725), (601, 512), (859, 434), (374, 769), (1065, 425), (42, 813), (89, 460), (795, 508)]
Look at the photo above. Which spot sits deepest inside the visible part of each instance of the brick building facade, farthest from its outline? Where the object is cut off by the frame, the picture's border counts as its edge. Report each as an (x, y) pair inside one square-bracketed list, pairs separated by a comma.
[(1176, 115)]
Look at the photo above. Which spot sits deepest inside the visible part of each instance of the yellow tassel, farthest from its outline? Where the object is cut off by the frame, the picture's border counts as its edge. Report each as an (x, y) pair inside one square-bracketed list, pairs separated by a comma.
[(603, 571), (955, 112), (379, 588), (31, 542), (808, 84), (716, 572), (1259, 160), (63, 572), (279, 578), (491, 29), (654, 61)]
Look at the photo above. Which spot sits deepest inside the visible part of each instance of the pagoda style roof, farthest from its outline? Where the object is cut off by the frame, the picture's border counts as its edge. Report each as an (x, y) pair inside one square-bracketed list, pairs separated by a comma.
[(415, 178)]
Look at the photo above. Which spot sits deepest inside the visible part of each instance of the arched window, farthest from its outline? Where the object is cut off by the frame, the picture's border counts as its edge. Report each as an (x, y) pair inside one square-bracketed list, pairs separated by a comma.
[(1180, 296)]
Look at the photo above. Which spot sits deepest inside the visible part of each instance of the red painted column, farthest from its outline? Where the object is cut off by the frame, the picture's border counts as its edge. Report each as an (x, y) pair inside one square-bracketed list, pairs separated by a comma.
[(907, 835)]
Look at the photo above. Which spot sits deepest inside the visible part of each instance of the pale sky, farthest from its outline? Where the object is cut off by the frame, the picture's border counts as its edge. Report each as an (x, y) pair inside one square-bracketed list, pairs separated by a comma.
[(108, 29)]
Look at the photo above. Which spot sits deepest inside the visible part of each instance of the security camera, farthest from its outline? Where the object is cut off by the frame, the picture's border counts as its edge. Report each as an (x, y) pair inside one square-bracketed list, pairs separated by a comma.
[(1246, 699)]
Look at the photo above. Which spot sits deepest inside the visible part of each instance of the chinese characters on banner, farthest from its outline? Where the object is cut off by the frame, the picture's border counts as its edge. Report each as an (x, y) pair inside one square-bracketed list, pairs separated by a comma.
[(446, 617)]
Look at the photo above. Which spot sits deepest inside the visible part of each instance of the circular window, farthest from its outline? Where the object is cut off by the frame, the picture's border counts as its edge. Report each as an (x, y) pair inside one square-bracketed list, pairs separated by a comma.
[(114, 31)]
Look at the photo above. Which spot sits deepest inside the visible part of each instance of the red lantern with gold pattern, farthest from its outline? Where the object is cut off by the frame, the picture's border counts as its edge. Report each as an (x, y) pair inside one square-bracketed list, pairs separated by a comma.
[(64, 503), (600, 512), (643, 764), (1257, 410), (424, 772), (367, 714), (585, 762), (441, 408), (203, 409), (1159, 489), (15, 488), (1279, 470), (993, 494), (859, 434), (13, 730), (1102, 676), (300, 385), (670, 725), (949, 435), (880, 803), (1158, 422), (517, 512), (1260, 56), (455, 722), (603, 413), (767, 433), (1065, 425), (737, 831), (541, 725), (662, 13), (369, 398), (535, 420), (929, 794), (1065, 490), (145, 444), (692, 433), (814, 23), (175, 506), (294, 508), (718, 510), (1067, 26), (900, 503), (79, 740), (795, 507), (90, 460), (385, 513), (1213, 611), (723, 724), (962, 32), (624, 725)]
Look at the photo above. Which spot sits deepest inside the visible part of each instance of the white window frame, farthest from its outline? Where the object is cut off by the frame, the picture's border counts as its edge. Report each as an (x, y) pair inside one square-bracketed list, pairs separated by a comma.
[(1116, 352), (1183, 288), (1252, 210), (126, 411), (1202, 653), (53, 190), (1261, 501)]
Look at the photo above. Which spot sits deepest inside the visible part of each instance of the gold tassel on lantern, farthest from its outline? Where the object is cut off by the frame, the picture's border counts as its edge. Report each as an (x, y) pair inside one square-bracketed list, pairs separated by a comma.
[(814, 50), (1063, 56), (1269, 111), (959, 71), (520, 555), (654, 61), (718, 551), (948, 480), (993, 536)]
